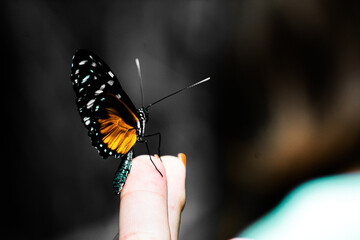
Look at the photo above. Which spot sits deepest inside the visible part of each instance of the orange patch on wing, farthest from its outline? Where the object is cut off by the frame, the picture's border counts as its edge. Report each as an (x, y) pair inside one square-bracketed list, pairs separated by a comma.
[(118, 135)]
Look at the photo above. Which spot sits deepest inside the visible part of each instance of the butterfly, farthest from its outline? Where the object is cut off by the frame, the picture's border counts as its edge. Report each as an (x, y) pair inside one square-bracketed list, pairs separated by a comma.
[(113, 122)]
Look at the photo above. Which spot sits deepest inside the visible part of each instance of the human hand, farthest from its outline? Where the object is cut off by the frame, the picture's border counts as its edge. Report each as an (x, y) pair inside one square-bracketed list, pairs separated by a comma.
[(151, 205)]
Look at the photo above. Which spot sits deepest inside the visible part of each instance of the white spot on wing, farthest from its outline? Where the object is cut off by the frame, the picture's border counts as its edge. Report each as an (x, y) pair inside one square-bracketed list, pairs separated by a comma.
[(82, 62), (87, 120), (77, 71), (110, 82), (93, 64), (90, 103), (102, 87), (111, 74), (118, 96), (85, 78), (98, 92)]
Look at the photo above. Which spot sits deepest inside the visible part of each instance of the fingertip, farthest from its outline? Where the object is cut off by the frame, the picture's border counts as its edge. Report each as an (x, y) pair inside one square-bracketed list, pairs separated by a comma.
[(182, 157), (144, 176)]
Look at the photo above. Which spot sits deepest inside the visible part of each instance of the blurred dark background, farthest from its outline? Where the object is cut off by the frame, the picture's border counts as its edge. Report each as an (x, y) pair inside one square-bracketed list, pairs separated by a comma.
[(283, 106)]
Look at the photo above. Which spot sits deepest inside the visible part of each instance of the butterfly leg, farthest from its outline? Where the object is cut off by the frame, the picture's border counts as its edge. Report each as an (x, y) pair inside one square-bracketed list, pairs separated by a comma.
[(159, 145), (148, 149)]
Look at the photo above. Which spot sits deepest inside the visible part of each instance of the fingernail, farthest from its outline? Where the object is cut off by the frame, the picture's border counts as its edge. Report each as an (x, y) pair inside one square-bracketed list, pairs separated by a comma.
[(183, 158), (157, 156)]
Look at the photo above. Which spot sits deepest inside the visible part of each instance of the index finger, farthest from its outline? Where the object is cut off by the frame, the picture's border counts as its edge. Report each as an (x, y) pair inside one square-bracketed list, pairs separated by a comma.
[(143, 206)]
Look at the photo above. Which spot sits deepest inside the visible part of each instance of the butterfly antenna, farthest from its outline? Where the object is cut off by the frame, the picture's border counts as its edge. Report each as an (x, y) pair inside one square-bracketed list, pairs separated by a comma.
[(141, 84), (176, 92)]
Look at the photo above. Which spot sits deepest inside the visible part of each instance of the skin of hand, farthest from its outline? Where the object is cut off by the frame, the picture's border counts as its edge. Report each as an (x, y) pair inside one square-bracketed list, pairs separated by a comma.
[(151, 205)]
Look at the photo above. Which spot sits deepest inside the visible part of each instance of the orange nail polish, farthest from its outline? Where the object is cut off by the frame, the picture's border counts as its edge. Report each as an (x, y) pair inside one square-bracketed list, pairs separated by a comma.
[(183, 158)]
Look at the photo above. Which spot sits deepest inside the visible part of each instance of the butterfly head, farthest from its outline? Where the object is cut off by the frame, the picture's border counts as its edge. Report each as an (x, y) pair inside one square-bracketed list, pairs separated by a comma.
[(143, 117), (143, 114)]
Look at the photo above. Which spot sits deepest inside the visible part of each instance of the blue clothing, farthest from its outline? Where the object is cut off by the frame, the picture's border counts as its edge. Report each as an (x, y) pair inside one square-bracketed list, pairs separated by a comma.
[(324, 208)]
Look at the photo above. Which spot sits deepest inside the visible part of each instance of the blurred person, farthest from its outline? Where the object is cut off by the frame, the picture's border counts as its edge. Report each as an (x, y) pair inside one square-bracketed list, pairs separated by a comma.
[(292, 161)]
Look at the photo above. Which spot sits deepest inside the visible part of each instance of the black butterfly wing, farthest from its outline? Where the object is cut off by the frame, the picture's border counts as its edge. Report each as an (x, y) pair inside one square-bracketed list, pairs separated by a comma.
[(105, 109)]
